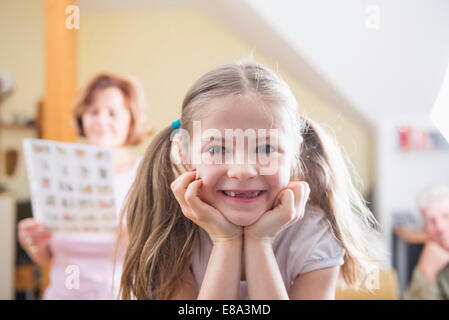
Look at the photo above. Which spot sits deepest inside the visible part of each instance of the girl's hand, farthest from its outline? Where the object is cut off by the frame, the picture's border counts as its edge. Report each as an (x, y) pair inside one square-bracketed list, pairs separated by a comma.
[(289, 207), (33, 236), (185, 189)]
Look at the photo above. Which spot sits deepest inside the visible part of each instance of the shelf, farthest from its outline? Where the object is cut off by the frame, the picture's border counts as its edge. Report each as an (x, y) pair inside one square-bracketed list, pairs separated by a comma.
[(423, 152), (417, 236), (17, 126)]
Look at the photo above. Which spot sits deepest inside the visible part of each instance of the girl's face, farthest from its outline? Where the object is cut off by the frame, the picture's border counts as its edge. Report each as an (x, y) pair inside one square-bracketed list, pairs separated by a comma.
[(436, 218), (245, 185), (107, 120)]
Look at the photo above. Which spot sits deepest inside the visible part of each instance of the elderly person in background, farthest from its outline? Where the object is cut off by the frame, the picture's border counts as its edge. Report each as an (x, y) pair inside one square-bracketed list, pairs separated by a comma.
[(430, 279)]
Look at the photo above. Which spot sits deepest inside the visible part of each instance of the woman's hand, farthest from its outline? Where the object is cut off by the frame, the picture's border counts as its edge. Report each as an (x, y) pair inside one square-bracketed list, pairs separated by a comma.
[(185, 189), (289, 207), (34, 238)]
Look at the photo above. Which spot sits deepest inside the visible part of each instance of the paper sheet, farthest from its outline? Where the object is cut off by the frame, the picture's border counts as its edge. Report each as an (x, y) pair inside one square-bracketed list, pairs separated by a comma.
[(71, 186)]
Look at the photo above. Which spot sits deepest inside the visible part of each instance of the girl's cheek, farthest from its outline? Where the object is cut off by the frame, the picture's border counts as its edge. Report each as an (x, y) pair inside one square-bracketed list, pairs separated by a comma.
[(284, 178), (275, 186)]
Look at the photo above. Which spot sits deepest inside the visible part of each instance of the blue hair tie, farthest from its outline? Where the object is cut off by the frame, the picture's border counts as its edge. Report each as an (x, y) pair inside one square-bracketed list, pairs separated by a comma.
[(176, 124)]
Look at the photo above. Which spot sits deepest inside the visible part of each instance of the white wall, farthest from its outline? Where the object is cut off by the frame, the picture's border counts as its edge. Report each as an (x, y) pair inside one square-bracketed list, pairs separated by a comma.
[(402, 175), (22, 56), (390, 70), (7, 245)]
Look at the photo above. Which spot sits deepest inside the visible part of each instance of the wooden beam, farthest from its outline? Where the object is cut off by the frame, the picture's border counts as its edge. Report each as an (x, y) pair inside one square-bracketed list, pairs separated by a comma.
[(60, 72), (61, 57)]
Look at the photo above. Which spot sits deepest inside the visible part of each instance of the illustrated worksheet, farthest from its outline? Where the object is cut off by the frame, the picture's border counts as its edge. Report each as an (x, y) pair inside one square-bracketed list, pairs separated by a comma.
[(71, 186)]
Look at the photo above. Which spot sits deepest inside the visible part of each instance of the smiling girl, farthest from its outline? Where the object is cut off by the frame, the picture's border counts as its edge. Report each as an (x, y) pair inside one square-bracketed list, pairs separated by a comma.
[(225, 227)]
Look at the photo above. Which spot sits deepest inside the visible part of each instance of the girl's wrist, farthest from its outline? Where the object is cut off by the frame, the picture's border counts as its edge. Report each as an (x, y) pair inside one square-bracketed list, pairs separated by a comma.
[(227, 241), (252, 240), (249, 237)]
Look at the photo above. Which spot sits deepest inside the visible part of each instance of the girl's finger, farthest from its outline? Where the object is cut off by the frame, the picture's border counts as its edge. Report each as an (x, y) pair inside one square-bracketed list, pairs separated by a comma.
[(278, 200), (298, 190), (286, 209), (301, 191), (303, 201), (288, 199), (180, 185), (183, 180), (192, 198)]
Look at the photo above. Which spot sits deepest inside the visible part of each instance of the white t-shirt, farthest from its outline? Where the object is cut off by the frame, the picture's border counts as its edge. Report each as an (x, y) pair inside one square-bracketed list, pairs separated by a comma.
[(123, 182), (307, 245)]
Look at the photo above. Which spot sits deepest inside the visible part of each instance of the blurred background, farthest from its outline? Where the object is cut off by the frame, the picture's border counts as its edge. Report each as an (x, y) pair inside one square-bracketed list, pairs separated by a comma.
[(369, 71)]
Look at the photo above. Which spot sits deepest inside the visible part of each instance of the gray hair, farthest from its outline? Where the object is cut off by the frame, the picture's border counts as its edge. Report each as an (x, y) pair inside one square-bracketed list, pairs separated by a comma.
[(430, 194)]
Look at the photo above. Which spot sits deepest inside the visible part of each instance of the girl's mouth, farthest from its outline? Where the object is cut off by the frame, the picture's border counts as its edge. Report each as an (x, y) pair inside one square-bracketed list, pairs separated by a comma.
[(242, 195)]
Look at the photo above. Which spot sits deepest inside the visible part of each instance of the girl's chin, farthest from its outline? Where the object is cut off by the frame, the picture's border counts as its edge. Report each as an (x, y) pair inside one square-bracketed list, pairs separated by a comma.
[(242, 219)]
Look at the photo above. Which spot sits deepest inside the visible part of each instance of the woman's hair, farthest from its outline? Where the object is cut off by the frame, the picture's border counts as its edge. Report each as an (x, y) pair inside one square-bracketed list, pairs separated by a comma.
[(134, 98), (162, 239), (427, 196)]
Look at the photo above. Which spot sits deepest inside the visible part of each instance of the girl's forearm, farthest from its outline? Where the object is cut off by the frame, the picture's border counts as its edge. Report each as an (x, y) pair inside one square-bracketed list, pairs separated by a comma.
[(222, 277), (262, 272)]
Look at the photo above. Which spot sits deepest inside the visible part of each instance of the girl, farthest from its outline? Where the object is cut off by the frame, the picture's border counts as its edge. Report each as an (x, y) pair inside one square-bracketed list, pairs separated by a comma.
[(217, 229), (109, 113)]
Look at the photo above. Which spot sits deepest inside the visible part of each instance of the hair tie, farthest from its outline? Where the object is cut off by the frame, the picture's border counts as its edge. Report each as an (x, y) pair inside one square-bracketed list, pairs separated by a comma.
[(176, 124)]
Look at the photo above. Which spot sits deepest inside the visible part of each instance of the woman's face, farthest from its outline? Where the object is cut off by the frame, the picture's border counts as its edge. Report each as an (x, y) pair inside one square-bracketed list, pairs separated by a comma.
[(244, 185), (436, 218), (107, 119)]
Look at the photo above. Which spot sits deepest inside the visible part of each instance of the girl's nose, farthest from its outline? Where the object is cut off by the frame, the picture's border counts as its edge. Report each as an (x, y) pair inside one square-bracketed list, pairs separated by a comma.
[(242, 171)]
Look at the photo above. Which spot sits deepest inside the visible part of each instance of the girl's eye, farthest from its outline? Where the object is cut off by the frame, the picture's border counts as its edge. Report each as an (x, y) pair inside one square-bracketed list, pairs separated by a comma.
[(93, 112), (112, 113), (265, 149), (216, 149)]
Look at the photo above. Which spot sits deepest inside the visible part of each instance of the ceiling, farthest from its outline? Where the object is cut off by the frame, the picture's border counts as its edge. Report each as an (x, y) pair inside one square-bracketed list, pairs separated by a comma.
[(373, 59)]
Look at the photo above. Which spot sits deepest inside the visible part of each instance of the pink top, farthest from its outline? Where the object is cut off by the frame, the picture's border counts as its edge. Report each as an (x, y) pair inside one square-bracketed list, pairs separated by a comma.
[(83, 263), (307, 245)]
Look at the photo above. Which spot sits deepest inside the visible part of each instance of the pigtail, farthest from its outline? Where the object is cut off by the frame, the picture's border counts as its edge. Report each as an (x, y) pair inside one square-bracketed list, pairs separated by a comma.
[(323, 166), (161, 239)]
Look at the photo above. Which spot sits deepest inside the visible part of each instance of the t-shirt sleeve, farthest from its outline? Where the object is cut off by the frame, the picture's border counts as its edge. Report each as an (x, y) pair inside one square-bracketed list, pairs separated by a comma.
[(314, 245)]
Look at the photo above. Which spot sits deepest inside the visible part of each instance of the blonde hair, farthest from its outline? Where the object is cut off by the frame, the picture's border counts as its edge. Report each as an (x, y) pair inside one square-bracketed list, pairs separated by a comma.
[(134, 97), (162, 239), (427, 196)]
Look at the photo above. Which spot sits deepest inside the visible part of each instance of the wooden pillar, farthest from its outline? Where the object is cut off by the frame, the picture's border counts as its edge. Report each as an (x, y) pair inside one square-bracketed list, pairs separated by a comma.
[(61, 56), (60, 72)]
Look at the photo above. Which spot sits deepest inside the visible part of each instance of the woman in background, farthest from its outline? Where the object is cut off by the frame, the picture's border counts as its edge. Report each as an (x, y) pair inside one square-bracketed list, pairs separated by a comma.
[(109, 113)]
